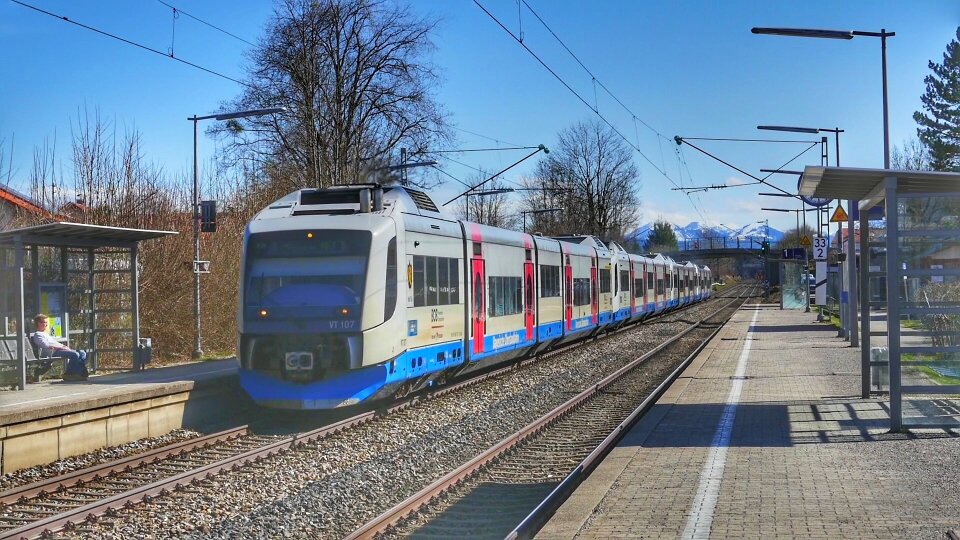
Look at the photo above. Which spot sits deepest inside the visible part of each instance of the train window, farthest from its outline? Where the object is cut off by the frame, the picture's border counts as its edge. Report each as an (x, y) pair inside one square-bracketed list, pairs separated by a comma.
[(419, 281), (453, 287), (390, 284), (436, 281), (649, 280), (529, 254), (443, 278), (506, 296), (604, 280), (638, 286), (477, 250), (625, 280), (581, 291), (549, 281), (660, 286), (433, 283)]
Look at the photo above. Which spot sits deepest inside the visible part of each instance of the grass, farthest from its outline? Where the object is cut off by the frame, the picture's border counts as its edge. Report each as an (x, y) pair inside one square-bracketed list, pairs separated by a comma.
[(913, 325), (936, 377)]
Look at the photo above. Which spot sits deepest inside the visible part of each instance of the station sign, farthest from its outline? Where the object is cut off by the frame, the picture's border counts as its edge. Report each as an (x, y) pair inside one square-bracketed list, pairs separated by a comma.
[(795, 253), (819, 248)]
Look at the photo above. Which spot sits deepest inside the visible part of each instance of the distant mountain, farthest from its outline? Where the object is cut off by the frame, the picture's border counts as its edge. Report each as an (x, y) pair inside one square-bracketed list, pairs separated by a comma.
[(695, 231)]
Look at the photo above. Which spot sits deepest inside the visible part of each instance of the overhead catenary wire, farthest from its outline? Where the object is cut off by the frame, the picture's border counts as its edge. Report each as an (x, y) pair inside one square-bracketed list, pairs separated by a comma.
[(133, 43), (681, 140), (575, 93), (201, 21), (596, 81)]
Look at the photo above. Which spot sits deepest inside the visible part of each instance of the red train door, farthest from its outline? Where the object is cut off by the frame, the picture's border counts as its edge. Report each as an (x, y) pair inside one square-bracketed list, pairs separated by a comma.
[(528, 314), (568, 301), (479, 305)]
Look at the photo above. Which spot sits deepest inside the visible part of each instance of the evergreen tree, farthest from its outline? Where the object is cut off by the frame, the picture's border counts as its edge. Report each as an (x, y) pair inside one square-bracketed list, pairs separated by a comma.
[(940, 129), (661, 238)]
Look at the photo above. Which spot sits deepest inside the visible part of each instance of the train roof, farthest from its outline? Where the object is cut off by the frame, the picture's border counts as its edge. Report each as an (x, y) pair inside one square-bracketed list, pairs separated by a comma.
[(352, 199)]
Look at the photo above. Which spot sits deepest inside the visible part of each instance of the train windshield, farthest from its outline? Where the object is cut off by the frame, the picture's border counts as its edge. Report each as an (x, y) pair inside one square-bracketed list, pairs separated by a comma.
[(307, 269)]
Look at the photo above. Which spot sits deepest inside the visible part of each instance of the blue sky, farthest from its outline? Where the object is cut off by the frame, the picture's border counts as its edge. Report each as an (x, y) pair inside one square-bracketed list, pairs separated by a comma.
[(686, 68)]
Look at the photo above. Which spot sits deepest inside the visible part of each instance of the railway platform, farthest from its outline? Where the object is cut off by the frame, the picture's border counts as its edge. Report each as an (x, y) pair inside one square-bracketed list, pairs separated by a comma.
[(764, 435), (53, 420)]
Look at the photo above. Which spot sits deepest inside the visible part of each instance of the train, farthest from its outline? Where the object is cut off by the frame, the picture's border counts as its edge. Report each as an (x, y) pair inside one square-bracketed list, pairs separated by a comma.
[(363, 292)]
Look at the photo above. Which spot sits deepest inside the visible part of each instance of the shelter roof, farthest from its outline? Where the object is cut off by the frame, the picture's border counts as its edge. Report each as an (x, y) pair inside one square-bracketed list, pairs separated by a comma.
[(79, 235), (866, 185)]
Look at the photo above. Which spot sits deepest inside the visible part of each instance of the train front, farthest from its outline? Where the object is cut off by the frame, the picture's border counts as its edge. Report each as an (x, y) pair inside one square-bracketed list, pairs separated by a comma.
[(318, 293)]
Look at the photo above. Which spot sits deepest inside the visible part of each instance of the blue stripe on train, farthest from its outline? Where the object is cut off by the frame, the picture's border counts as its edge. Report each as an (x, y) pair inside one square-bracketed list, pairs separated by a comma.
[(356, 385)]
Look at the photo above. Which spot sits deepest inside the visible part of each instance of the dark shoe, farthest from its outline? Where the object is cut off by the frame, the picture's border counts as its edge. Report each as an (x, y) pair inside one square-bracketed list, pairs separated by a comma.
[(71, 377)]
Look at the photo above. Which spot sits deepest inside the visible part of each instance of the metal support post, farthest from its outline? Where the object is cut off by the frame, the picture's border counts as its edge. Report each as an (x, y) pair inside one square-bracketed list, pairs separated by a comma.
[(865, 304), (21, 316), (135, 300), (852, 276), (893, 304), (197, 351), (92, 308)]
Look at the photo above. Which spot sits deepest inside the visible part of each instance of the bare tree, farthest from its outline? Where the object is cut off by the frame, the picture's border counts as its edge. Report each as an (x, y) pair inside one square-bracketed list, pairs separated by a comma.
[(591, 176), (492, 209), (912, 156), (354, 77)]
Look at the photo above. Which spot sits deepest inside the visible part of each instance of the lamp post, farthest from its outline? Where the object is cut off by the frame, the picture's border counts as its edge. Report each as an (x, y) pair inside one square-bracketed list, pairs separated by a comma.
[(197, 351), (848, 35)]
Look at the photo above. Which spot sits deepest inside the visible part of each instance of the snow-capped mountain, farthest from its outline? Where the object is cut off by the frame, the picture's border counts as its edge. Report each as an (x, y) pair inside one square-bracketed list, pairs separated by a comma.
[(695, 231)]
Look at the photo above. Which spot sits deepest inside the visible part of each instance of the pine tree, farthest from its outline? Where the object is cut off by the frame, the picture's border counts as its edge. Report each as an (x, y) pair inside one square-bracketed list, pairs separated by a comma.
[(661, 238), (940, 129)]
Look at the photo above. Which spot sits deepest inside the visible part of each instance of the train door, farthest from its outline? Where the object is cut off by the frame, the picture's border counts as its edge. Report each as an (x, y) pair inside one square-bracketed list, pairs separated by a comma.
[(646, 286), (479, 305), (568, 284), (633, 293), (594, 292), (528, 311)]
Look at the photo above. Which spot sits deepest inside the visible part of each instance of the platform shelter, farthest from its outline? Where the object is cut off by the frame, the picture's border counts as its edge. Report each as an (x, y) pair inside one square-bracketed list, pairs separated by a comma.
[(85, 277), (914, 329)]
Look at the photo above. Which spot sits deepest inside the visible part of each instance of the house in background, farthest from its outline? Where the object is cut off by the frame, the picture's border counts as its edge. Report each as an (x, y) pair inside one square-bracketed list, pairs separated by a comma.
[(14, 204)]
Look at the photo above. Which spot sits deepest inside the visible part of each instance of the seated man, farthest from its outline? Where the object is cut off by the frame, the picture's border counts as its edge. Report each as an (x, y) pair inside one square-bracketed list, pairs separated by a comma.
[(76, 369)]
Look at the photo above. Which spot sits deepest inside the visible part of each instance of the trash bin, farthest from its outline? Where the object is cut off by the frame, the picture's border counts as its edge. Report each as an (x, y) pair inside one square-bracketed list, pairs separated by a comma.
[(143, 354), (880, 375)]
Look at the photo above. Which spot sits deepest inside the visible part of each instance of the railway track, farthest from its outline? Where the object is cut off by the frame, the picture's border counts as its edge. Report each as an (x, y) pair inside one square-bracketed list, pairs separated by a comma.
[(526, 476), (74, 502)]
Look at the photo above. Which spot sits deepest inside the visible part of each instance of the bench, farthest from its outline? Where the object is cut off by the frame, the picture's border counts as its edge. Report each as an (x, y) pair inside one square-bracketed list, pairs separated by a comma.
[(37, 365)]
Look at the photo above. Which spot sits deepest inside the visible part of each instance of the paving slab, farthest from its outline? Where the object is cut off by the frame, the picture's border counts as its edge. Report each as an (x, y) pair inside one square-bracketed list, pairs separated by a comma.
[(765, 436)]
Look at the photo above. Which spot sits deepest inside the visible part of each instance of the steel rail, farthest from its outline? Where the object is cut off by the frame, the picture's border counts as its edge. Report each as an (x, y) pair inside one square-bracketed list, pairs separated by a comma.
[(413, 503), (545, 510), (97, 472), (91, 511)]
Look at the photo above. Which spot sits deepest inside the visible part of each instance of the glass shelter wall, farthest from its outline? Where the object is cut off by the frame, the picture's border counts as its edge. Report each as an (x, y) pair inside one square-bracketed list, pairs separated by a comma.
[(920, 257)]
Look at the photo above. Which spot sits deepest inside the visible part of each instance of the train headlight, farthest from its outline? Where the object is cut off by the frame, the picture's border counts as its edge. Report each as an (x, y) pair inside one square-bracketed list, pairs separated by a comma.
[(309, 235), (344, 311), (263, 313)]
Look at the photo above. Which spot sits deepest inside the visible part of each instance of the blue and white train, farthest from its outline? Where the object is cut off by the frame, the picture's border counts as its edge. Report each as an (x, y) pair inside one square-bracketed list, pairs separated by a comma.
[(361, 292)]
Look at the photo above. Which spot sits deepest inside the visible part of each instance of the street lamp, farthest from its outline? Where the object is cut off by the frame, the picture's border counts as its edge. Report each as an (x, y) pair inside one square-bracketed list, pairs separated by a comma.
[(850, 34), (197, 351)]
